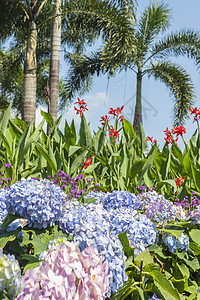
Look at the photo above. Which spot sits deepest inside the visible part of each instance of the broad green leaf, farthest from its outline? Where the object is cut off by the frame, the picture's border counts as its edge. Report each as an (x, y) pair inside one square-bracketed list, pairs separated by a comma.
[(45, 154), (164, 283), (30, 258), (148, 162), (192, 263), (184, 270), (7, 237), (85, 133), (5, 118), (195, 235), (91, 168), (125, 290), (164, 182), (6, 144), (73, 149), (128, 128), (31, 266), (78, 162), (9, 219), (173, 232), (140, 292), (125, 244), (47, 117), (146, 256)]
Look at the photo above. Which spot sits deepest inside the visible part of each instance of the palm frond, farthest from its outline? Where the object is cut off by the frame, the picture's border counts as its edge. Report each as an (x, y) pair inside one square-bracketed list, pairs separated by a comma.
[(179, 84), (154, 20), (80, 75), (88, 20), (184, 42)]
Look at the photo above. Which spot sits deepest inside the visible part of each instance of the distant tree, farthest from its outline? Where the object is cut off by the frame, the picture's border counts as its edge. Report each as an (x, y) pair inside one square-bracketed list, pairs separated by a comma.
[(144, 54)]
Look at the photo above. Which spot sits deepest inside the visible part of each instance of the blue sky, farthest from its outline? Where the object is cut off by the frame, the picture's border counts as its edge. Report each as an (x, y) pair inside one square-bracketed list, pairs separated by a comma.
[(157, 103)]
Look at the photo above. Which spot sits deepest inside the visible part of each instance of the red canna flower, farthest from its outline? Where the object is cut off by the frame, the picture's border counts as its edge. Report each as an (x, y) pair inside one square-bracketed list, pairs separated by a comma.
[(196, 113), (179, 181), (113, 133), (80, 102), (113, 112), (119, 110), (121, 118), (82, 107), (149, 139), (104, 120), (87, 163), (179, 130)]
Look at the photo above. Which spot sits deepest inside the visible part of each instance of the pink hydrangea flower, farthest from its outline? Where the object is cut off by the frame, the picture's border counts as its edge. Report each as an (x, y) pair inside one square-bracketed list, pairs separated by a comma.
[(67, 274)]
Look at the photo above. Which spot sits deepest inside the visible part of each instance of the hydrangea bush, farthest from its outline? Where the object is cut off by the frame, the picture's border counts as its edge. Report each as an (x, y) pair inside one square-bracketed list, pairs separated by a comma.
[(67, 273), (39, 201), (10, 275)]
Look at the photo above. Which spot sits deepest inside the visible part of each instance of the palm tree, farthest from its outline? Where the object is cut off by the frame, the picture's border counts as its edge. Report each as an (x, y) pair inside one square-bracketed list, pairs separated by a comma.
[(144, 54), (23, 28), (55, 60)]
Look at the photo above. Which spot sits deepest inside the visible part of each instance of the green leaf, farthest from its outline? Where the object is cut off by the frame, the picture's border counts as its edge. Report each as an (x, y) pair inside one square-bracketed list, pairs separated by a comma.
[(85, 133), (47, 117), (195, 235), (5, 119), (125, 244), (91, 168), (45, 154), (148, 162), (164, 182), (146, 256), (30, 258), (9, 219), (128, 128), (7, 237), (164, 283), (140, 292), (124, 291), (173, 232), (31, 266), (78, 162), (184, 270), (73, 149), (192, 263)]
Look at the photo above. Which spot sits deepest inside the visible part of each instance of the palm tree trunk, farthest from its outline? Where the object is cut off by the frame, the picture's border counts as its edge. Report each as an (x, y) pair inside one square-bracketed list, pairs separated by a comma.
[(29, 82), (55, 62), (138, 105)]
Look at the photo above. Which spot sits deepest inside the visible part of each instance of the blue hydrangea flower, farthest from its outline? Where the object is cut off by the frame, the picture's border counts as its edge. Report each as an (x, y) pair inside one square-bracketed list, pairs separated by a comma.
[(41, 202), (10, 274), (141, 231), (173, 243), (160, 209), (90, 225), (118, 199), (3, 210)]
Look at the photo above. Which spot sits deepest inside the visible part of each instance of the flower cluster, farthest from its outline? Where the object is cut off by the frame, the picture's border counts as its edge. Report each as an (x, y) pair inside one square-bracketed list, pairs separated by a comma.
[(178, 130), (173, 243), (87, 163), (39, 201), (67, 273), (75, 188), (5, 181), (10, 274), (188, 204), (140, 230), (113, 133), (118, 199), (195, 215), (160, 209), (90, 225), (196, 113), (150, 139), (82, 107), (3, 210)]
